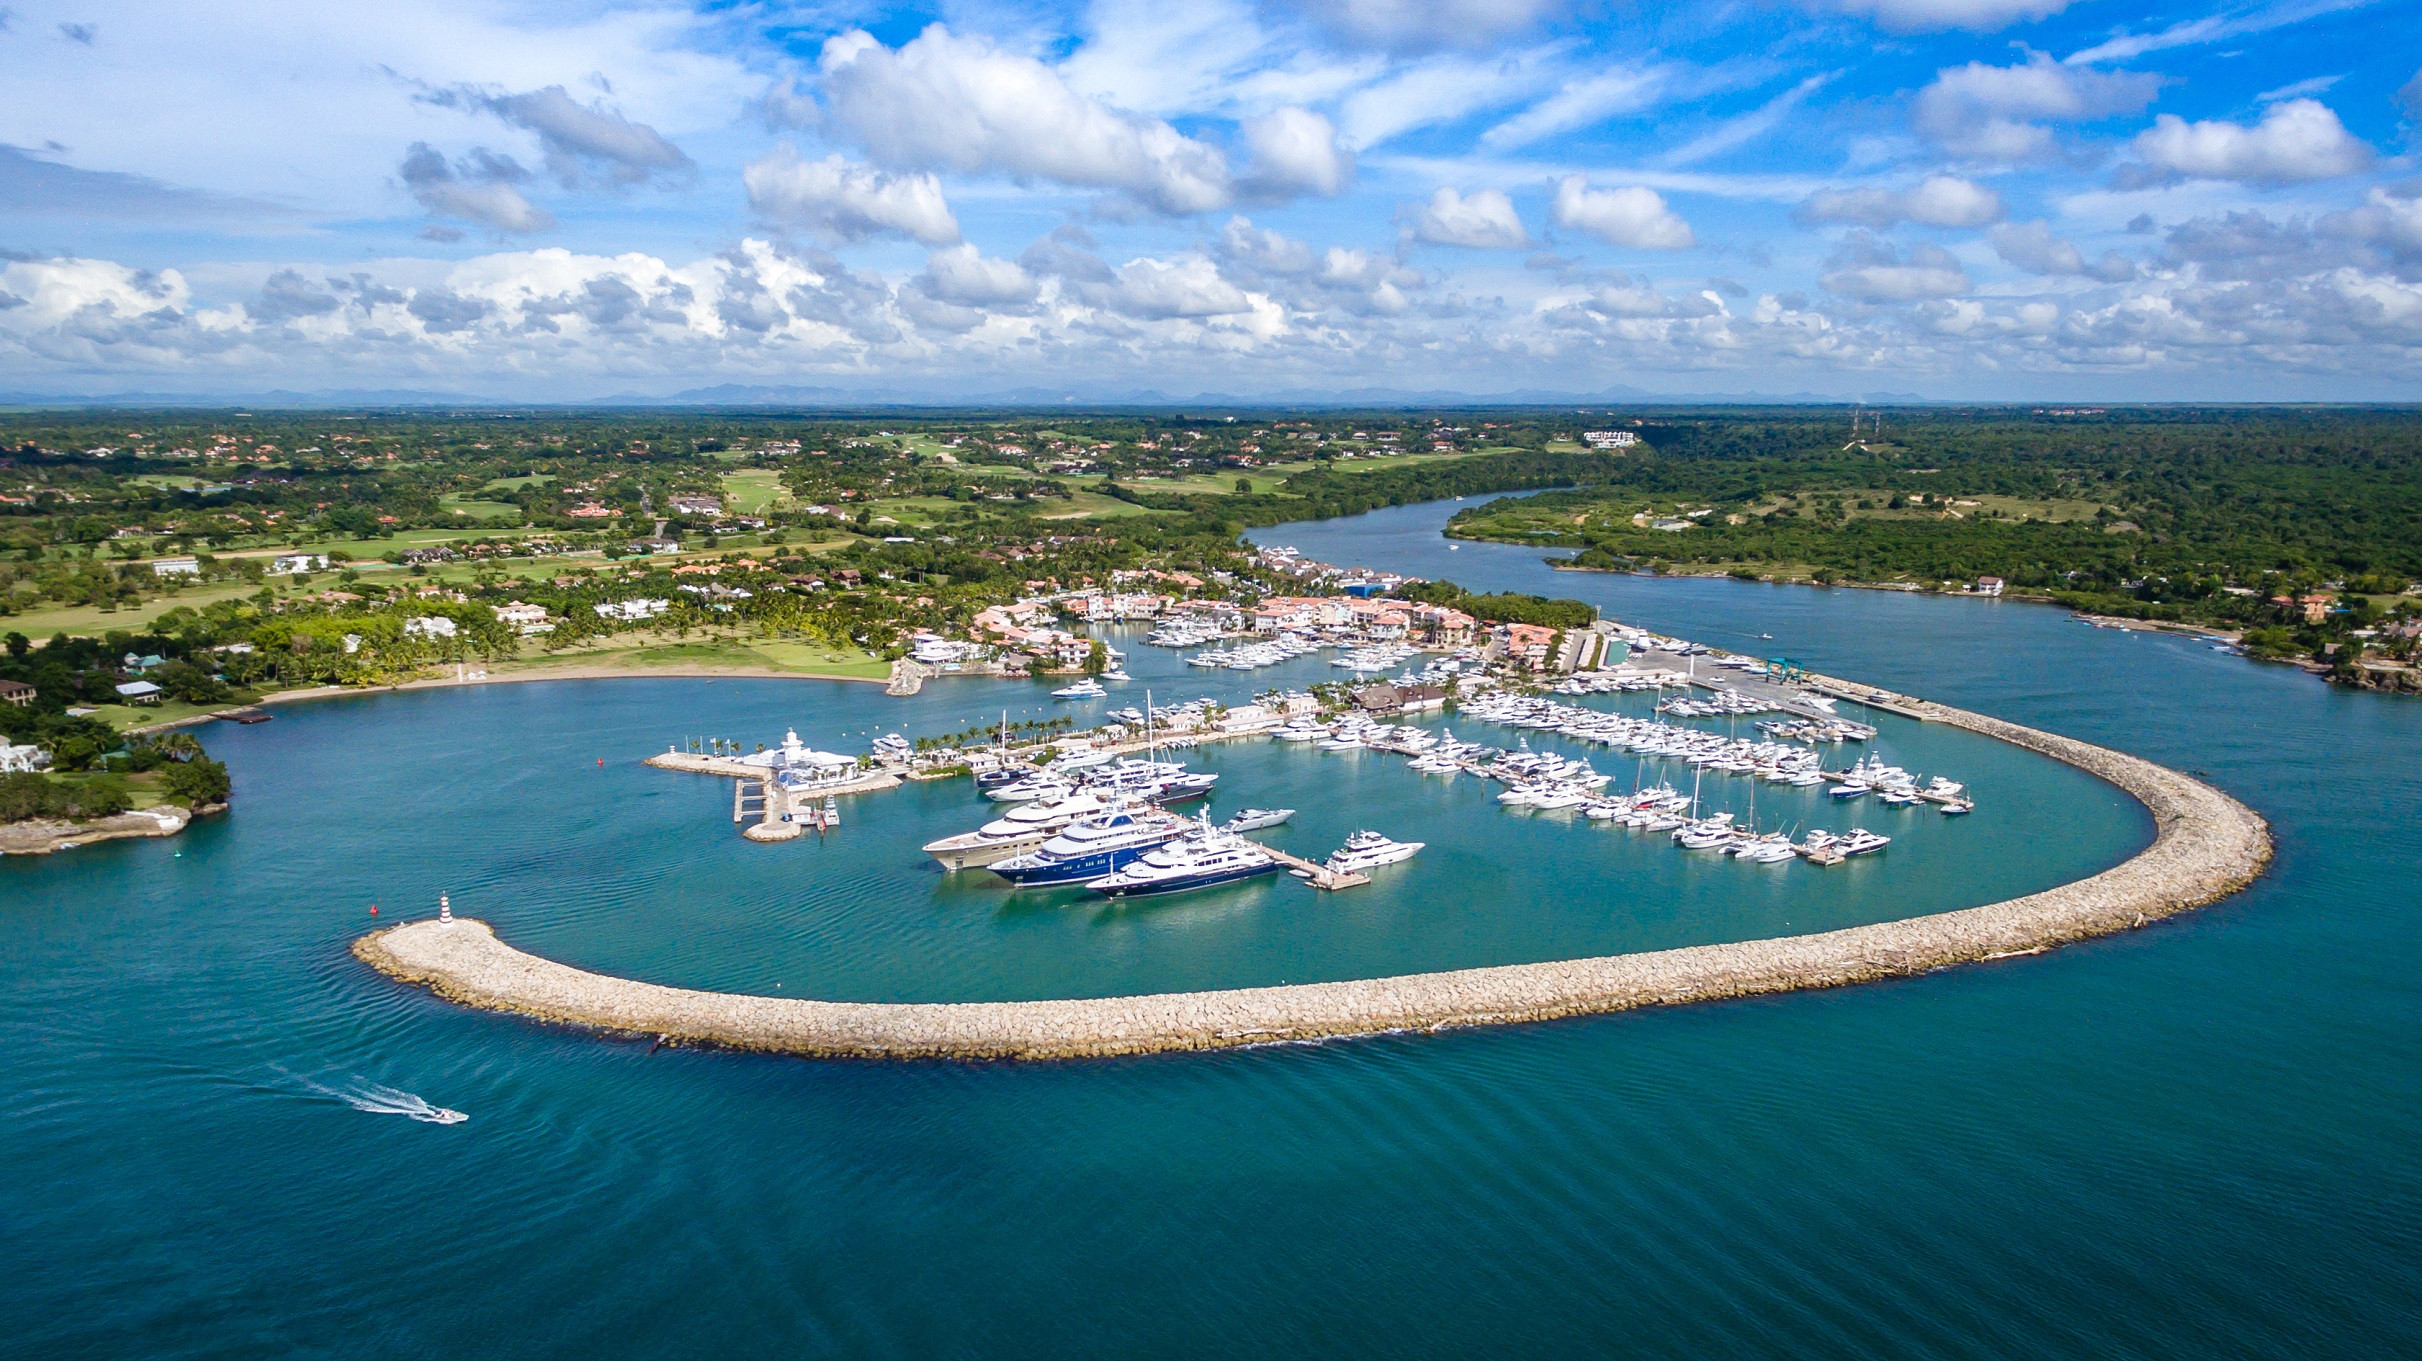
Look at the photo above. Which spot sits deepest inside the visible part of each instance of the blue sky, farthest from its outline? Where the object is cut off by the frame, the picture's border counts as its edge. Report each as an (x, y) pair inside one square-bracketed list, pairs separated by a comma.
[(1988, 199)]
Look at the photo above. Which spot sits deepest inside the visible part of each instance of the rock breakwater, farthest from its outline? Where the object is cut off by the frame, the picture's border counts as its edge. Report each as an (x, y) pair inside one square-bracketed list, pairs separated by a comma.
[(2206, 846)]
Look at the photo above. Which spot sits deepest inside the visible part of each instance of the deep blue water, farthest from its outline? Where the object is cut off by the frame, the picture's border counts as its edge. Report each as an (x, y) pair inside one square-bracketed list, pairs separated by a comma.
[(2196, 1140)]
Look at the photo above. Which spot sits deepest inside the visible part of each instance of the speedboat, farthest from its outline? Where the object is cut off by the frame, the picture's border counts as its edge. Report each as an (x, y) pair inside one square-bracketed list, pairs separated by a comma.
[(1117, 673), (1090, 849), (1206, 859), (1860, 841), (1370, 850), (1255, 819), (1088, 688), (1772, 849)]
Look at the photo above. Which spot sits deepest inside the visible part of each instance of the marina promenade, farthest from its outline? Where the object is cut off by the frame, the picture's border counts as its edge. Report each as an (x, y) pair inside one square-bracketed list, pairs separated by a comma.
[(2206, 846)]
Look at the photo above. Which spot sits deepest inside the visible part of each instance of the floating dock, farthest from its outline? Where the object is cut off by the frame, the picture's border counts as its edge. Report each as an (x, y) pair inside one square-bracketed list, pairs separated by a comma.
[(1314, 873)]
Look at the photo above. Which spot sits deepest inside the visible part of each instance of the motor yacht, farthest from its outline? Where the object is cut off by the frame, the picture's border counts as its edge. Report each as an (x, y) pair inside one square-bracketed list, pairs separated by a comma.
[(1020, 830), (1036, 786), (1205, 859), (1090, 849), (1256, 819), (1088, 688), (1368, 851)]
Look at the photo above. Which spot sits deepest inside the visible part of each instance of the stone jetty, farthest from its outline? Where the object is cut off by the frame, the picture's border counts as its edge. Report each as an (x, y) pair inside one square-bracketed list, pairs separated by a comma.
[(2206, 846)]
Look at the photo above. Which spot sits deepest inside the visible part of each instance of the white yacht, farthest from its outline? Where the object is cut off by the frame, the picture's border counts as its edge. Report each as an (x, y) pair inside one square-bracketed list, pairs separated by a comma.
[(1256, 819), (1088, 688), (1369, 850), (1090, 849), (1031, 788), (1021, 830), (1860, 841), (1205, 859)]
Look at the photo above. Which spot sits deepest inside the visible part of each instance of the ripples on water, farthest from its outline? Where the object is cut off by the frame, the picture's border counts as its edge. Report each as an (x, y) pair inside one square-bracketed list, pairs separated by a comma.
[(2192, 1141)]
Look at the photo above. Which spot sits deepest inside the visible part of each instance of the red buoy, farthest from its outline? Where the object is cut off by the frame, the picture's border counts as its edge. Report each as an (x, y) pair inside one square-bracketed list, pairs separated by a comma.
[(374, 909)]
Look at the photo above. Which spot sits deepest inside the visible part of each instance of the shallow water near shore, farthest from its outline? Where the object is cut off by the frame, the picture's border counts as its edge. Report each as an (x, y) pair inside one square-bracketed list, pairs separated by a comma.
[(2190, 1141)]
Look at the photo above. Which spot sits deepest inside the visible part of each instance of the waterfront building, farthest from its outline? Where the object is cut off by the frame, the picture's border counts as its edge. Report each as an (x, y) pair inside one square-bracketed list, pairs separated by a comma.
[(17, 693), (176, 567), (636, 609), (1526, 645), (518, 614)]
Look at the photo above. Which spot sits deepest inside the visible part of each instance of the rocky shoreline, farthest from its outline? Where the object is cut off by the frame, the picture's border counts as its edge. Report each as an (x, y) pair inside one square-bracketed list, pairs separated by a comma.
[(42, 837), (2206, 847)]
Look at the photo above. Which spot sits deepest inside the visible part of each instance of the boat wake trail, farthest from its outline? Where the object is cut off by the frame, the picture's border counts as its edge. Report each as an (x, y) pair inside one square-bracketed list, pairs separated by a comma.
[(370, 1097)]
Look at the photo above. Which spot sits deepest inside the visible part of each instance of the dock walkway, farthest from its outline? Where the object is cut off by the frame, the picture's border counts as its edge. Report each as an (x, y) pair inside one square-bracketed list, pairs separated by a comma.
[(1316, 874)]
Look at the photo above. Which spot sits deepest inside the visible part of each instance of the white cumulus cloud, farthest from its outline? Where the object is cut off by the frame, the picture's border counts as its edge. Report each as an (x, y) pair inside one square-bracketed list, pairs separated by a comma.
[(1634, 217), (1870, 271), (962, 275), (2296, 141), (1296, 151), (955, 103), (842, 201), (1483, 221), (1997, 113), (1936, 201), (2031, 246), (1161, 290)]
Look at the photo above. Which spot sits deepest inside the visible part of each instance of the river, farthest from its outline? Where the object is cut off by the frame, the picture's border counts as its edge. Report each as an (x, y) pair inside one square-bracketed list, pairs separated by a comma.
[(2189, 1141)]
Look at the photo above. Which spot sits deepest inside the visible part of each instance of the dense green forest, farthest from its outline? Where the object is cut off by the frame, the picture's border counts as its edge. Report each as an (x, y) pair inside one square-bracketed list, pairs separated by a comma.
[(2196, 515)]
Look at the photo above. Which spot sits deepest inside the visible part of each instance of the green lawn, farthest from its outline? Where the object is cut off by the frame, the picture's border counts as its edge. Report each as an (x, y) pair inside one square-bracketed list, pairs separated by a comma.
[(144, 787), (794, 658), (517, 483), (46, 620), (479, 510), (754, 491), (124, 716)]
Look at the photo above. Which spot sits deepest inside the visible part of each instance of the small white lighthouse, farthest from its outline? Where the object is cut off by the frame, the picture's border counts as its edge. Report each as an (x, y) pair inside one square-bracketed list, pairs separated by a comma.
[(445, 910)]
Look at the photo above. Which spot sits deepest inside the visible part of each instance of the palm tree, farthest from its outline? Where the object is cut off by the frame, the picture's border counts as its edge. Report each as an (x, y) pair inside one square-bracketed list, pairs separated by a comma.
[(179, 746)]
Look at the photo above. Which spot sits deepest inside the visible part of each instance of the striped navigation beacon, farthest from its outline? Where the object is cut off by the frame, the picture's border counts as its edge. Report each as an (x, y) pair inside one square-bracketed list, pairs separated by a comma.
[(445, 910)]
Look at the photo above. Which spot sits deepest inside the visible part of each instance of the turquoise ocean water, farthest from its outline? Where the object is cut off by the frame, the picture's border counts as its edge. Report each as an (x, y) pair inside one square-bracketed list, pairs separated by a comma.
[(2196, 1140)]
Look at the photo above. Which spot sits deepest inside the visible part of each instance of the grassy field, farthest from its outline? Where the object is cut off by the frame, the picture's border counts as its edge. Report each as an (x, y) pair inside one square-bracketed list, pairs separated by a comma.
[(781, 656), (143, 787), (473, 508), (517, 483), (125, 716), (91, 619), (753, 491)]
